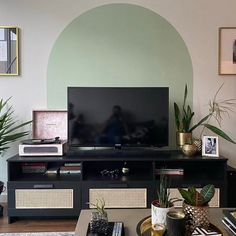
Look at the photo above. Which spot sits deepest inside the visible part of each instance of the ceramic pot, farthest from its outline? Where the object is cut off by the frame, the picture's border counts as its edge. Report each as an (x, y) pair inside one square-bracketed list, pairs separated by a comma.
[(189, 149), (196, 216), (182, 138), (158, 213), (198, 143)]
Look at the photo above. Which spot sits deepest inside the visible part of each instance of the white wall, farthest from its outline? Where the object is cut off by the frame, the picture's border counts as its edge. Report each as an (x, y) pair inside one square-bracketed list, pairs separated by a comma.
[(42, 21)]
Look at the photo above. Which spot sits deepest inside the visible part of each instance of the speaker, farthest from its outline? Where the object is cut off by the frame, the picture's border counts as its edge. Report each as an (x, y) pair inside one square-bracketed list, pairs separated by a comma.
[(231, 193)]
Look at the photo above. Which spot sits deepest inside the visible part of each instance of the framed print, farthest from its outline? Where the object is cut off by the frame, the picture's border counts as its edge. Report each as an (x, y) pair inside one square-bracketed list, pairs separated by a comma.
[(210, 146), (227, 51), (9, 54)]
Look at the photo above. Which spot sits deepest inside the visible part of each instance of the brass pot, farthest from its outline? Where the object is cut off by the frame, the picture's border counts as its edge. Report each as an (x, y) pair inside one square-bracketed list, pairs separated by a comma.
[(182, 138), (189, 149)]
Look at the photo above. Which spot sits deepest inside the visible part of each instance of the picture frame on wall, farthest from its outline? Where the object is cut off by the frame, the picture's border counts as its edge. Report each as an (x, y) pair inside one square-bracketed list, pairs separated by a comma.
[(227, 51), (210, 146)]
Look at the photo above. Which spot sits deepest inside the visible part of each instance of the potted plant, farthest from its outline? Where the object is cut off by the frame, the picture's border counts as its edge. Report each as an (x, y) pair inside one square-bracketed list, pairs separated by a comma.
[(163, 203), (196, 205), (8, 129), (99, 220), (217, 108)]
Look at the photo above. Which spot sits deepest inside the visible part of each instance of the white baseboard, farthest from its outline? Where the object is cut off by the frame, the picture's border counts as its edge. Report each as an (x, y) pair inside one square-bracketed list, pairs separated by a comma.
[(3, 197)]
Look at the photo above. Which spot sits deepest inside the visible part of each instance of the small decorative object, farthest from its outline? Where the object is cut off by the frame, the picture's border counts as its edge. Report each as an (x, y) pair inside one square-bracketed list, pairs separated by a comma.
[(9, 57), (125, 169), (195, 206), (198, 144), (210, 146), (217, 108), (189, 149), (227, 51), (164, 203), (99, 220), (176, 223)]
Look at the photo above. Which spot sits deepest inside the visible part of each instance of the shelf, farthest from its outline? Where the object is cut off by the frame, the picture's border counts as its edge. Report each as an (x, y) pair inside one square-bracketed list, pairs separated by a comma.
[(46, 178)]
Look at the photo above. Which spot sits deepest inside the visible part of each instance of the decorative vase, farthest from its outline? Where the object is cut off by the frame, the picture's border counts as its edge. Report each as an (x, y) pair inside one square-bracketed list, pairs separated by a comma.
[(99, 223), (182, 138), (159, 213), (198, 143), (189, 149), (196, 216)]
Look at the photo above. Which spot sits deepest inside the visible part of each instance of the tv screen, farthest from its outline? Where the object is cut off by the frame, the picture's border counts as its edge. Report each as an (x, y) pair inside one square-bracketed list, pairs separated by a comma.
[(104, 117)]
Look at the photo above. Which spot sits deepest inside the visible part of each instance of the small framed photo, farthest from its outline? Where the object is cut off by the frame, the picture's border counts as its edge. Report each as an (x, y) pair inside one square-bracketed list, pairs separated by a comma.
[(210, 146), (227, 51)]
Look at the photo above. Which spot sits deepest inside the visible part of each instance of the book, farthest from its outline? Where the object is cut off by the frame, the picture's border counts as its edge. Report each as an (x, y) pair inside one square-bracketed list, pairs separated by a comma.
[(230, 215), (73, 164), (201, 231), (229, 225), (178, 171), (70, 168), (53, 170), (115, 229)]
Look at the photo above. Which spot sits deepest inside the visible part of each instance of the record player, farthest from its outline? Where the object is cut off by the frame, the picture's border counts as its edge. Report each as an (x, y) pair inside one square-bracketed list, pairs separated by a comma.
[(46, 124), (42, 147)]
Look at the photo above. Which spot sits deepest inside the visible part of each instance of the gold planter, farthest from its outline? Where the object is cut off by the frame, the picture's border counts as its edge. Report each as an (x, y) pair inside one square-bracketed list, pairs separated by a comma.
[(197, 216), (189, 149), (182, 138)]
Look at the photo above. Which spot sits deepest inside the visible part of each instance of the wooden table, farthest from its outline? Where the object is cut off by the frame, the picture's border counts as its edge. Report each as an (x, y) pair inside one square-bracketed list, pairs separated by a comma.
[(131, 217)]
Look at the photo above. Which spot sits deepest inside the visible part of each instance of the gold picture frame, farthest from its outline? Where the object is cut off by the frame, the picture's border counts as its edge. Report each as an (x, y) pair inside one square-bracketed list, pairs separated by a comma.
[(227, 51), (9, 50)]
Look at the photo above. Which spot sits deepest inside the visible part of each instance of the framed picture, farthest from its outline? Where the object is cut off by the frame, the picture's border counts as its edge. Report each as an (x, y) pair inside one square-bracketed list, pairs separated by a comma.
[(227, 51), (210, 146)]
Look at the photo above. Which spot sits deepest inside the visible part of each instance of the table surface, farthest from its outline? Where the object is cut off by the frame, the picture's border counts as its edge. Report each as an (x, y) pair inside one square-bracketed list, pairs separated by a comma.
[(131, 217)]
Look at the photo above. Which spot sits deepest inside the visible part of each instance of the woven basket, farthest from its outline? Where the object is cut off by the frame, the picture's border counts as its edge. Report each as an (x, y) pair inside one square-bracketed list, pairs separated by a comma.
[(197, 216)]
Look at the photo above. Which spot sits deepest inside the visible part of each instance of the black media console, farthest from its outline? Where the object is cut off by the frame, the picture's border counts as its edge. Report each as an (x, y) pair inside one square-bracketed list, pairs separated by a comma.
[(64, 195)]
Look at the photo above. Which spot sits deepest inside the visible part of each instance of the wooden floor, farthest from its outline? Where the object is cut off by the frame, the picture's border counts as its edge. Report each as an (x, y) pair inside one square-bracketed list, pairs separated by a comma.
[(28, 225)]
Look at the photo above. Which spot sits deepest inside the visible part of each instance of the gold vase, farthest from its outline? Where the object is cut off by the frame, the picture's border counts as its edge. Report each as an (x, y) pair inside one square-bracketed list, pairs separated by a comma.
[(182, 138), (196, 216), (189, 149)]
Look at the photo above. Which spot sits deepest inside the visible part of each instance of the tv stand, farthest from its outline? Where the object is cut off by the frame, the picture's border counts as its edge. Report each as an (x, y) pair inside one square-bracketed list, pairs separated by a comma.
[(65, 195)]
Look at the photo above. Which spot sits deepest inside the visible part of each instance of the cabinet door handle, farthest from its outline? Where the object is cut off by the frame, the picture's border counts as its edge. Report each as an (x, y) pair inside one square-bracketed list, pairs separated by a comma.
[(43, 186), (117, 185)]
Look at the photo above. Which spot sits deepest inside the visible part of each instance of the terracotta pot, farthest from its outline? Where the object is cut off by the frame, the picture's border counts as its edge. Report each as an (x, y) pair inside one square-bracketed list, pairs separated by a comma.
[(182, 138), (196, 216), (159, 213), (189, 149)]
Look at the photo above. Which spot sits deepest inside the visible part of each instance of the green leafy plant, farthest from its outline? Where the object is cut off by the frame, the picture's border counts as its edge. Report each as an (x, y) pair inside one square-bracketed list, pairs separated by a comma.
[(217, 109), (195, 198), (163, 193), (8, 126), (100, 206), (184, 116)]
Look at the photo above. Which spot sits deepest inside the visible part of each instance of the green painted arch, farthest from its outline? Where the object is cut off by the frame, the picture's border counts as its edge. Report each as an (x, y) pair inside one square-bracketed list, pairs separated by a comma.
[(119, 45)]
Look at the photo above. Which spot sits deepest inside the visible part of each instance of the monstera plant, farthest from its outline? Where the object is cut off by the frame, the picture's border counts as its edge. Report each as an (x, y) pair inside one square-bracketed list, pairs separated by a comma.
[(9, 127)]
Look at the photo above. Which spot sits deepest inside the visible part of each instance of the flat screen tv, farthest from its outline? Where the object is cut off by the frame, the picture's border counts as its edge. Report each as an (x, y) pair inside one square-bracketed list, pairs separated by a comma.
[(118, 116)]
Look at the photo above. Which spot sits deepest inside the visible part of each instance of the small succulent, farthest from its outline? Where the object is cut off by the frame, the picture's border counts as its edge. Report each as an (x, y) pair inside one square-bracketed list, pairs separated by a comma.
[(195, 198), (163, 193), (100, 206)]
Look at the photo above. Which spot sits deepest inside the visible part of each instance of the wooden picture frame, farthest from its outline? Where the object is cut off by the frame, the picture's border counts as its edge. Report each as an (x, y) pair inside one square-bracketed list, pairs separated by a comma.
[(227, 51), (9, 50), (210, 146)]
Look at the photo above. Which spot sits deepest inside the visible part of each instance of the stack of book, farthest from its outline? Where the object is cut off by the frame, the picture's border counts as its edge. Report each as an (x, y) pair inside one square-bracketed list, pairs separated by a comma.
[(229, 220), (33, 167), (52, 171), (163, 171), (70, 168)]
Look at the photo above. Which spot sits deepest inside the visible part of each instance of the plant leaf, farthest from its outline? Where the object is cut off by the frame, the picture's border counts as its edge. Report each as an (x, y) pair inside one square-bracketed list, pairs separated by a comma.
[(186, 195), (207, 193), (177, 116), (219, 132), (200, 122)]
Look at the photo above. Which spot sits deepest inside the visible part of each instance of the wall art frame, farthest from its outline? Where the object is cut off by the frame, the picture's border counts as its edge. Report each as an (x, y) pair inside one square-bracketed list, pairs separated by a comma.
[(210, 146), (227, 51), (9, 50)]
